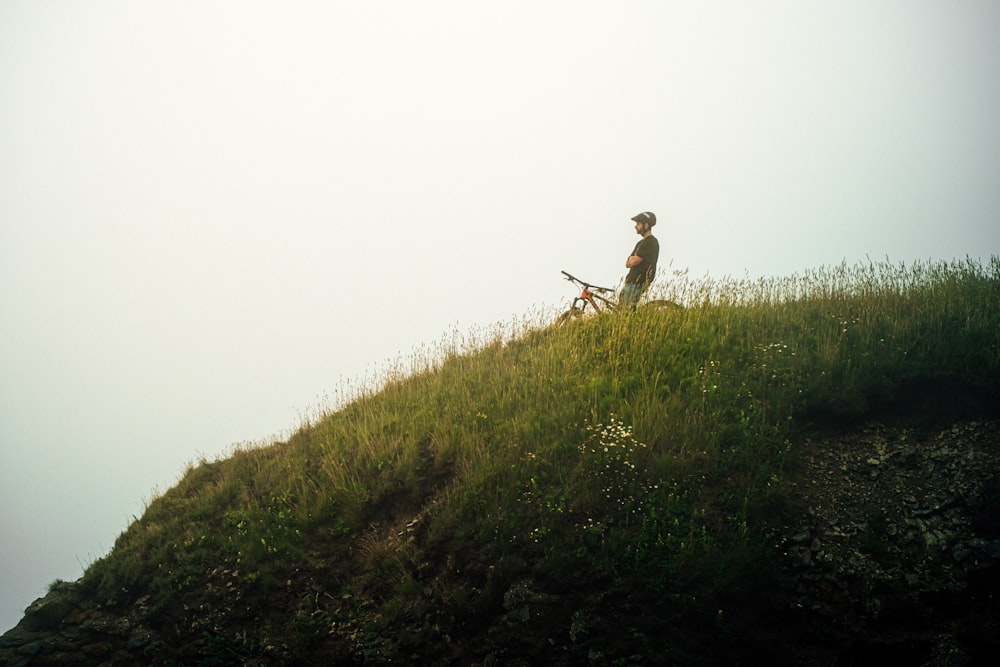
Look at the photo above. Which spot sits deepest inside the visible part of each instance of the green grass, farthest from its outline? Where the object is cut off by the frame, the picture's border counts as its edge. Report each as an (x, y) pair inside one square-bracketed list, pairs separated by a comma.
[(648, 444)]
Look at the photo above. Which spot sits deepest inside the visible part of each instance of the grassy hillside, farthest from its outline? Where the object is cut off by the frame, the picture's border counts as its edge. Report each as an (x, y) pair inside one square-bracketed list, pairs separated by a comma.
[(647, 446)]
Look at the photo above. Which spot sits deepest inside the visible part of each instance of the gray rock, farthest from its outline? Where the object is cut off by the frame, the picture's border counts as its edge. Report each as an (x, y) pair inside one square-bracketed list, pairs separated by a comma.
[(48, 612)]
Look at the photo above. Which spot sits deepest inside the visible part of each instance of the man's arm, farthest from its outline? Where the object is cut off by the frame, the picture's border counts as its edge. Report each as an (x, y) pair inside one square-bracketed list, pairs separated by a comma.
[(633, 260)]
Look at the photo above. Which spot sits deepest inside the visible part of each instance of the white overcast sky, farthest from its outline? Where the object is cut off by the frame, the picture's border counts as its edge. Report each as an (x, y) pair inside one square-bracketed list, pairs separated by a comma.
[(213, 214)]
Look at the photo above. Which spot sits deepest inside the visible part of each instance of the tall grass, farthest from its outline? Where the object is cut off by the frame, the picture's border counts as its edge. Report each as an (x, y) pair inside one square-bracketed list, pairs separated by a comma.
[(647, 442)]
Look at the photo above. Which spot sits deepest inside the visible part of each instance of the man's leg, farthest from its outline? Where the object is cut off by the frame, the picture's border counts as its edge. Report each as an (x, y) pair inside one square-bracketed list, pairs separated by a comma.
[(630, 295)]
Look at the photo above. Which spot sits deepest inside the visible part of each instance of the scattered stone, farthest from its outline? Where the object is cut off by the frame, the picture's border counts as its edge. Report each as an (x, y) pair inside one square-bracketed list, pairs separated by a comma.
[(901, 541)]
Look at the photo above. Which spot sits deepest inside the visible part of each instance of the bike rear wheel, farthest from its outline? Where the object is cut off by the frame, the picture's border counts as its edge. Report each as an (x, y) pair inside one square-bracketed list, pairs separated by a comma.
[(662, 304)]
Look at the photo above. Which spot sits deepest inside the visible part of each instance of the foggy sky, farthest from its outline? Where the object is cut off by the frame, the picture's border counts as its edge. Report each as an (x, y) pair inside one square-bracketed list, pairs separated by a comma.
[(214, 216)]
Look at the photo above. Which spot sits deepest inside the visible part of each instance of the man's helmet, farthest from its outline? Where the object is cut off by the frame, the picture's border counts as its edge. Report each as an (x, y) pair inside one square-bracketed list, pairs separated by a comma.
[(645, 217)]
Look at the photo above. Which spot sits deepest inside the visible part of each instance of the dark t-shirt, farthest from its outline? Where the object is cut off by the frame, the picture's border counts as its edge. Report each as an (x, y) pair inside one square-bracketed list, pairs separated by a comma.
[(643, 274)]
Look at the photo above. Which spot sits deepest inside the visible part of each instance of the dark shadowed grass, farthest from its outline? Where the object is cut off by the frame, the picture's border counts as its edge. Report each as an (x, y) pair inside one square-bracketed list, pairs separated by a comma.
[(648, 443)]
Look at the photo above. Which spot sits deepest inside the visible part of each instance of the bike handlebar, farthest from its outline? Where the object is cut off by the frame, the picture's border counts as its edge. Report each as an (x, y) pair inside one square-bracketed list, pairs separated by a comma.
[(586, 284)]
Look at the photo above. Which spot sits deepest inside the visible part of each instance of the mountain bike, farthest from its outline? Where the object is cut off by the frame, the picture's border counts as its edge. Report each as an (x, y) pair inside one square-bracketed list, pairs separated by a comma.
[(598, 299)]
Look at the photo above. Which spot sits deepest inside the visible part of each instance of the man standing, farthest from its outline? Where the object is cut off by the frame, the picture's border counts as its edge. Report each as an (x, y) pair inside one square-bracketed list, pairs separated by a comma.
[(641, 264)]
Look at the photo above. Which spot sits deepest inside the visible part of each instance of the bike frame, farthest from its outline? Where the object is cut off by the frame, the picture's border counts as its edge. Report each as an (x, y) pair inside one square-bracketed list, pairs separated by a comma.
[(592, 294)]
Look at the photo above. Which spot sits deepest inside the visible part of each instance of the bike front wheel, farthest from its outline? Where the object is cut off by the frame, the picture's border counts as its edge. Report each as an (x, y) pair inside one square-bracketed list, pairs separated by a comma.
[(571, 314)]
